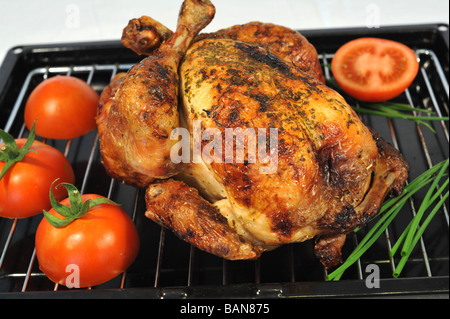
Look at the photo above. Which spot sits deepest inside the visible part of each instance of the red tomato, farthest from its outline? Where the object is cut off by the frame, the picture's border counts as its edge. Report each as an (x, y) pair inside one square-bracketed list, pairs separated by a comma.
[(95, 248), (374, 70), (24, 189), (65, 107)]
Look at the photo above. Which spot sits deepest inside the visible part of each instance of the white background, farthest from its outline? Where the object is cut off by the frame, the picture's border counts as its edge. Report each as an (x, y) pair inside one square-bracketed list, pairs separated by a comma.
[(25, 22)]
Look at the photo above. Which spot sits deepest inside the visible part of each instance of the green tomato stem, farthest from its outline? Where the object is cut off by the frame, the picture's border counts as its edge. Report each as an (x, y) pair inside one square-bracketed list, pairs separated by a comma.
[(76, 209), (10, 152)]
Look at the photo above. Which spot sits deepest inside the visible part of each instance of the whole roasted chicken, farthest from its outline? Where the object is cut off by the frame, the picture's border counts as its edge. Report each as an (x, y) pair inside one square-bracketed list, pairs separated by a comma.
[(241, 146)]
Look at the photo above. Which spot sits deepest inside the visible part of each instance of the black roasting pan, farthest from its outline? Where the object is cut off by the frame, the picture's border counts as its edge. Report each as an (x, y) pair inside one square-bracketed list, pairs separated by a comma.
[(167, 267)]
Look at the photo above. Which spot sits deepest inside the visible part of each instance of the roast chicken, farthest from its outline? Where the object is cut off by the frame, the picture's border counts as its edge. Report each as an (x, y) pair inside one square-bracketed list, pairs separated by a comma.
[(273, 156)]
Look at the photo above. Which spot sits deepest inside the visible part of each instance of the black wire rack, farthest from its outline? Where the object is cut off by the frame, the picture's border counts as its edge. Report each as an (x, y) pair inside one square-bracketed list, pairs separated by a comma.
[(167, 267)]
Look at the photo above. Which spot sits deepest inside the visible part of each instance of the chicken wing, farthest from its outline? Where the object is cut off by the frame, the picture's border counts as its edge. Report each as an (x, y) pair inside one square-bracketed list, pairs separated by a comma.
[(135, 123), (144, 35)]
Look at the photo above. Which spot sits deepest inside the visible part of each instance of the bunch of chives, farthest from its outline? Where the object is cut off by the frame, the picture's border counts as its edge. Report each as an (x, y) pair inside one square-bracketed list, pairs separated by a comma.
[(389, 211), (413, 232), (397, 110)]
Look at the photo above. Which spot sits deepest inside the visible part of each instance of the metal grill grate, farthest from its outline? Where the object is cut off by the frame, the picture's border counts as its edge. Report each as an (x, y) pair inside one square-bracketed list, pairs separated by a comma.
[(176, 269)]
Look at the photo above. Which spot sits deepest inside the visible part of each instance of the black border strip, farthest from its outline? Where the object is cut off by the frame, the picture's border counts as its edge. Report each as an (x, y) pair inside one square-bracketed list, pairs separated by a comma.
[(433, 287)]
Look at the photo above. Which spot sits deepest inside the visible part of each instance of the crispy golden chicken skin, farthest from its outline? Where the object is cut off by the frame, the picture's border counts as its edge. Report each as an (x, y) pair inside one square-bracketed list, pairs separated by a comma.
[(290, 45), (325, 154)]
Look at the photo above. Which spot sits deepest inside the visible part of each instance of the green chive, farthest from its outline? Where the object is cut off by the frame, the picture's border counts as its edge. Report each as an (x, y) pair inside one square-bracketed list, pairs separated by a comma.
[(398, 106), (419, 234), (425, 204), (402, 116)]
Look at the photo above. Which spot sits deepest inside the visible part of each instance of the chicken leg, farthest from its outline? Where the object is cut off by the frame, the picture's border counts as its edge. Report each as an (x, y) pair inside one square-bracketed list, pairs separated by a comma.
[(136, 119), (175, 205), (391, 171)]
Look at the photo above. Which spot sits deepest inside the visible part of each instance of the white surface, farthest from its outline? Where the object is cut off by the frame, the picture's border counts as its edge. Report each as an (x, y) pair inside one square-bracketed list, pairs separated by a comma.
[(24, 22)]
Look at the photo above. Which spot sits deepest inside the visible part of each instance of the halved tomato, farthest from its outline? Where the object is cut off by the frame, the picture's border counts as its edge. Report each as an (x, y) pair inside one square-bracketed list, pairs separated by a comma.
[(373, 69)]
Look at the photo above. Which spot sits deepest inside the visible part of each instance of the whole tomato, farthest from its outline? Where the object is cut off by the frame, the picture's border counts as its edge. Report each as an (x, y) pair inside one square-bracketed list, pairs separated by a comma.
[(65, 107), (24, 186), (94, 246)]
